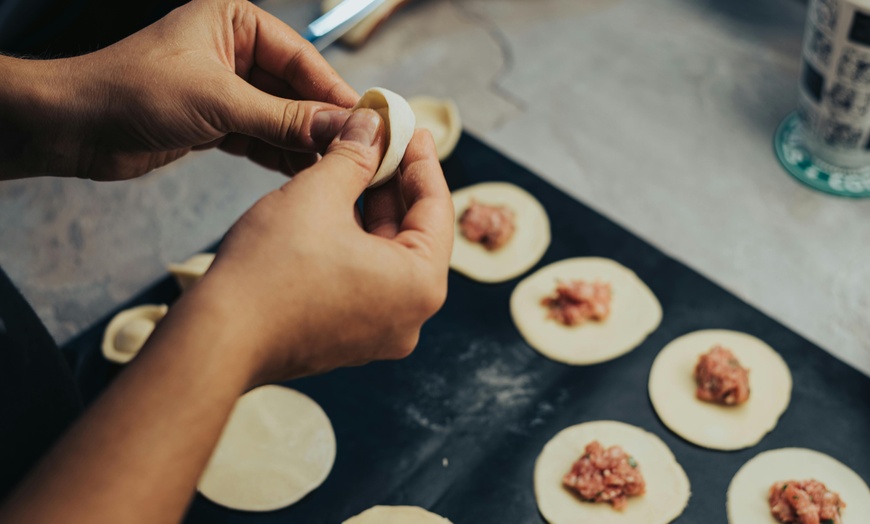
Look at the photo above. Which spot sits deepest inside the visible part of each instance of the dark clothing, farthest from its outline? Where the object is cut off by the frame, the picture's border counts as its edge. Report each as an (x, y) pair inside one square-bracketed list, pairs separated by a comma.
[(38, 396), (56, 28)]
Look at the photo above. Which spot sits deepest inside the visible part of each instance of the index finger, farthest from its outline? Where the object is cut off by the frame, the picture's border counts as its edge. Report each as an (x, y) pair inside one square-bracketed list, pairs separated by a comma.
[(428, 224), (282, 52)]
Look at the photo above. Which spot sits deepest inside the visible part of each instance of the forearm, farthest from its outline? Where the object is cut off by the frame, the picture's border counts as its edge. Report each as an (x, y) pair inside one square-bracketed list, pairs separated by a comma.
[(137, 453)]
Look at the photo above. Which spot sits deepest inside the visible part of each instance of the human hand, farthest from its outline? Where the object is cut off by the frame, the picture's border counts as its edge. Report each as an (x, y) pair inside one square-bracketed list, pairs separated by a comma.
[(312, 286), (211, 73)]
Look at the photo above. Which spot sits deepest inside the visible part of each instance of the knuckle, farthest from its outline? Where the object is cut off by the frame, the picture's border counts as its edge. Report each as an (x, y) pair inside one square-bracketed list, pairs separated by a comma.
[(431, 298), (406, 345), (292, 120), (434, 300)]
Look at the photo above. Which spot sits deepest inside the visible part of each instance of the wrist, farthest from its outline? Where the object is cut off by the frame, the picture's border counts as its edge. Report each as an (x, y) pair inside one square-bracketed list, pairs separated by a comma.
[(269, 339), (201, 337), (40, 117)]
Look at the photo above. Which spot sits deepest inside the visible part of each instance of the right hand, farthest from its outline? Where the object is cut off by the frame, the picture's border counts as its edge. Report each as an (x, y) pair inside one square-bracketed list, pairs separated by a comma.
[(315, 286)]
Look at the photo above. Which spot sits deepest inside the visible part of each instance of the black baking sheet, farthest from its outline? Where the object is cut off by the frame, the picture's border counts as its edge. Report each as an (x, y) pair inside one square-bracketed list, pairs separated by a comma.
[(457, 426)]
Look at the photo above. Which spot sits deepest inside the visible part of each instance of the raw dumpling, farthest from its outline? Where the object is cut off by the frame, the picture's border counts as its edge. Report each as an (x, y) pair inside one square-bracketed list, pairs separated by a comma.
[(399, 121), (441, 118), (129, 330), (191, 270)]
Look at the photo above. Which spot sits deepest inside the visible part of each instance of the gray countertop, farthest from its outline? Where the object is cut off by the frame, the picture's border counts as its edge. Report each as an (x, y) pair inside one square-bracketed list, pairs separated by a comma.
[(657, 113)]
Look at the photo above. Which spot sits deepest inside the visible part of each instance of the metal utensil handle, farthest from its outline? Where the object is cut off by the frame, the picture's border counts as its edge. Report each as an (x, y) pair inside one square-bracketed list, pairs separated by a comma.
[(338, 20)]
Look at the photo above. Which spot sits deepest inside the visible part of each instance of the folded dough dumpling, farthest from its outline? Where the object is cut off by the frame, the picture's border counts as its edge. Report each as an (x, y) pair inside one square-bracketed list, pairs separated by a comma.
[(129, 330), (441, 118), (191, 270), (399, 121)]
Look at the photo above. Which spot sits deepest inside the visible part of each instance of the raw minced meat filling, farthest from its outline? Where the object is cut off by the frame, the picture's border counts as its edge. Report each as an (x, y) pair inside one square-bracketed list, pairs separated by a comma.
[(721, 378), (491, 226), (605, 475), (578, 301), (804, 502)]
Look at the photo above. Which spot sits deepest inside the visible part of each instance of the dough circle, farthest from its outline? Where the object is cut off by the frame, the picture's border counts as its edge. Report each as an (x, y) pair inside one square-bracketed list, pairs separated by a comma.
[(399, 121), (396, 515), (667, 486), (634, 312), (672, 391), (128, 331), (277, 446), (441, 118), (747, 493), (529, 243)]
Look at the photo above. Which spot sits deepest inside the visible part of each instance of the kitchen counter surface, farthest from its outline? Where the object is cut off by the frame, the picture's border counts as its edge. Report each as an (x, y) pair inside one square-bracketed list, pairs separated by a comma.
[(657, 113)]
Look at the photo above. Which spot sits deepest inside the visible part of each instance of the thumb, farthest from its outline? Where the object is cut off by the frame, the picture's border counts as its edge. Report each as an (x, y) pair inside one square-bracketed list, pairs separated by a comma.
[(351, 160), (295, 125)]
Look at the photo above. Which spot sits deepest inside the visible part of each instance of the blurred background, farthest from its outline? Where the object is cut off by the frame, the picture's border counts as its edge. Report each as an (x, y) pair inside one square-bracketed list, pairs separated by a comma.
[(657, 113)]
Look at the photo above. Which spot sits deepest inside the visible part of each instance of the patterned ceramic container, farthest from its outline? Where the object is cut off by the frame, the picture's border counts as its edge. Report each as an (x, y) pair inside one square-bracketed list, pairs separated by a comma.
[(834, 104)]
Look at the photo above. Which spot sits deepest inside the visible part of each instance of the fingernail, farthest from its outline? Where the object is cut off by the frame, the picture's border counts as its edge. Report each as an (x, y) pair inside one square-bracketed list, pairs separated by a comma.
[(327, 124), (362, 127)]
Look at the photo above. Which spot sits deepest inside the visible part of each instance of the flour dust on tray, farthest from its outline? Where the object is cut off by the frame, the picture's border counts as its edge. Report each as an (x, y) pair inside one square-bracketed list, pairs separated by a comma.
[(396, 515), (609, 472), (277, 446), (719, 389), (501, 231), (797, 486), (584, 310)]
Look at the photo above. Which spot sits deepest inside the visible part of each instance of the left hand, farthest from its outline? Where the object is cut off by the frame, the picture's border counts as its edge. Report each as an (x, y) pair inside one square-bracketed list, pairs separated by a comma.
[(211, 73)]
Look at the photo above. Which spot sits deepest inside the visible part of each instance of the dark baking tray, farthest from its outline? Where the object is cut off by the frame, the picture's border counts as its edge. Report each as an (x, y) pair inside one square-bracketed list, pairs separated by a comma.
[(474, 393)]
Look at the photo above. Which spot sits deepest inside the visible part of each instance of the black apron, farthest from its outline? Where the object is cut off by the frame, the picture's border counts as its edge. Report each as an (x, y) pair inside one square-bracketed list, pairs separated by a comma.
[(38, 396)]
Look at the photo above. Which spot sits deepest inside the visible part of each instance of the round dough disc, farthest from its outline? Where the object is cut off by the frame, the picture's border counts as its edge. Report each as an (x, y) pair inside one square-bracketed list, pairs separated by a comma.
[(277, 447), (747, 493), (672, 391), (667, 486), (634, 312), (441, 118), (529, 243), (396, 515), (399, 121)]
